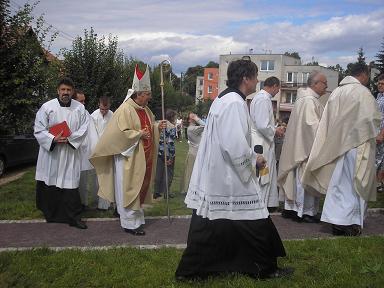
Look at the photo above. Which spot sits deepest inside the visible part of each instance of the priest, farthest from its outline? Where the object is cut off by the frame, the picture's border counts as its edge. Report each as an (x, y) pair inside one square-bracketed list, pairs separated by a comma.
[(263, 133), (59, 162), (125, 156), (101, 117), (342, 160), (300, 205), (230, 230)]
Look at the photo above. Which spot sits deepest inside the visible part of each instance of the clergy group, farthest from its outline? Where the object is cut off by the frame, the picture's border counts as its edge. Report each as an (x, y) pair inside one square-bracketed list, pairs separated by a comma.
[(231, 186)]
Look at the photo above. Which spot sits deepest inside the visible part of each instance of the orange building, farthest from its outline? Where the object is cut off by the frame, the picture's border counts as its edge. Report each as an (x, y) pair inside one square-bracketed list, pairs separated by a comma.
[(211, 83)]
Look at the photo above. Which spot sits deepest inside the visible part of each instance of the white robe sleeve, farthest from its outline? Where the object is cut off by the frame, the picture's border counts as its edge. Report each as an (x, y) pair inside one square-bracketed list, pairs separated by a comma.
[(232, 133), (260, 115), (77, 137), (41, 129)]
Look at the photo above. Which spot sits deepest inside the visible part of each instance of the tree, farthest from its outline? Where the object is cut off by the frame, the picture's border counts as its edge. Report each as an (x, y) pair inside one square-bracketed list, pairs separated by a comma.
[(379, 63), (360, 56), (293, 54), (212, 64), (340, 70), (98, 68), (27, 76)]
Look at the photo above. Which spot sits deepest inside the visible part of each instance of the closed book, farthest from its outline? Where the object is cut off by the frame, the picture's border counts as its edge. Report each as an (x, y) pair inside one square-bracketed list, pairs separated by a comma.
[(57, 128)]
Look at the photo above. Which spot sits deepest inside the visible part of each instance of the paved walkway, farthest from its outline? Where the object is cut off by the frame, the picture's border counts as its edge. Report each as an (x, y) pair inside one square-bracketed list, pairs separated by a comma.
[(105, 233)]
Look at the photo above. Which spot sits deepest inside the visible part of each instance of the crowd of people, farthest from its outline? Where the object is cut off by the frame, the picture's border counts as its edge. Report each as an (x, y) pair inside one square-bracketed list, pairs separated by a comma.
[(113, 159)]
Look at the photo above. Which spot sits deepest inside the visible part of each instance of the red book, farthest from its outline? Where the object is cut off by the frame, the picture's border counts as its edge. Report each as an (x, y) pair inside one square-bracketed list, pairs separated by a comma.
[(56, 129)]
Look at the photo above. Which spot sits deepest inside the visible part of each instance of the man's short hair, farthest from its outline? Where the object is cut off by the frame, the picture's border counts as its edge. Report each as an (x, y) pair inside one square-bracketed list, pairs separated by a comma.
[(312, 78), (237, 70), (170, 114), (66, 81), (272, 81), (104, 100), (357, 69), (380, 77)]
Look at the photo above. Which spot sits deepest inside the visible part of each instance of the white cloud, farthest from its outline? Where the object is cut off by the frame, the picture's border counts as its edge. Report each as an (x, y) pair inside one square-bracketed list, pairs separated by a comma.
[(195, 32)]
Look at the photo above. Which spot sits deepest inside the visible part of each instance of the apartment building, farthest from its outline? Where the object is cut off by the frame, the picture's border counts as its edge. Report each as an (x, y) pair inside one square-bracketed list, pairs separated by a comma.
[(199, 89), (289, 70), (207, 86)]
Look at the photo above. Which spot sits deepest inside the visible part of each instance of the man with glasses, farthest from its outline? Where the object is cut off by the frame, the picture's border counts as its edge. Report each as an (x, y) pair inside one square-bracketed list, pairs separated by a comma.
[(300, 205), (342, 159)]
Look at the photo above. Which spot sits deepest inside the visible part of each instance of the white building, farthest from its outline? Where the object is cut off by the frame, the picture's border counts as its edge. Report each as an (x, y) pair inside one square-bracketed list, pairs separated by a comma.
[(287, 69), (199, 89)]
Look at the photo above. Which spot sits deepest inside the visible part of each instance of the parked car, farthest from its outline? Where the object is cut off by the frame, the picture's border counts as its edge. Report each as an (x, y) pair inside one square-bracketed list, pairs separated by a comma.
[(16, 150)]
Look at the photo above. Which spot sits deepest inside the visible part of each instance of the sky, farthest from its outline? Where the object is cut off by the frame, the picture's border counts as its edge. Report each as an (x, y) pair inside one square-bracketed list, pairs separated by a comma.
[(191, 33)]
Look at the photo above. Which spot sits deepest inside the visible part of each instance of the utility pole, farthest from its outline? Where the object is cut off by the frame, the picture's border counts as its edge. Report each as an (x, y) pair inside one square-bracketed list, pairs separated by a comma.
[(181, 83)]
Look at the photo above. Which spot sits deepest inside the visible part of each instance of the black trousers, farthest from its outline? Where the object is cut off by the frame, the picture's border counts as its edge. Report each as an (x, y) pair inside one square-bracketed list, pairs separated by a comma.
[(160, 187), (57, 204), (222, 246)]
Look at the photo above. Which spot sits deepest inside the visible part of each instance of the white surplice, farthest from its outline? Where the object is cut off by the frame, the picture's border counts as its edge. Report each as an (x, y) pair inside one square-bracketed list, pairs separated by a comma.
[(261, 112), (61, 166), (101, 121), (343, 205), (88, 182), (223, 185)]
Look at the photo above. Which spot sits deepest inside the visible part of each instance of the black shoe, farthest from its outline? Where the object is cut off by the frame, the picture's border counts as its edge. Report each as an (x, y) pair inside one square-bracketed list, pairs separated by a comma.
[(310, 219), (281, 272), (136, 232), (349, 230), (288, 214), (78, 224), (156, 195)]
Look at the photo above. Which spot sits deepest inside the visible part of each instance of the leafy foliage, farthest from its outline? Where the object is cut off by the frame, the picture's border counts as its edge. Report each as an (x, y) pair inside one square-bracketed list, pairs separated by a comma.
[(27, 76), (98, 68)]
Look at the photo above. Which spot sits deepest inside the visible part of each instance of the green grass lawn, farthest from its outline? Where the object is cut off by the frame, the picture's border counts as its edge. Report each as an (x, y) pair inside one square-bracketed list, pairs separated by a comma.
[(341, 262), (17, 199)]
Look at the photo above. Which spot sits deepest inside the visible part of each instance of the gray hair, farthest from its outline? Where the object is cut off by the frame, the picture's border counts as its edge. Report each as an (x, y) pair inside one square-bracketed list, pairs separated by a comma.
[(312, 77)]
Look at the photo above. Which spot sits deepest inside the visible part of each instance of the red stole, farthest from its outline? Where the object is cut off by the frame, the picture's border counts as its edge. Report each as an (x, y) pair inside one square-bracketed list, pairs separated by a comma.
[(147, 144)]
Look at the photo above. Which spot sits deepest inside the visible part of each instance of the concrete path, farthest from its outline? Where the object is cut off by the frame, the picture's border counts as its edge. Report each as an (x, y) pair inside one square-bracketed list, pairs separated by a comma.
[(107, 233)]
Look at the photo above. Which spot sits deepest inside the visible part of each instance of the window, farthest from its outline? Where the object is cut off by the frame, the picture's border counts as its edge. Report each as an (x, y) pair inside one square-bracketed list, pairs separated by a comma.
[(291, 97), (210, 76), (261, 85), (267, 65), (210, 89), (201, 82), (291, 77), (305, 77), (200, 92)]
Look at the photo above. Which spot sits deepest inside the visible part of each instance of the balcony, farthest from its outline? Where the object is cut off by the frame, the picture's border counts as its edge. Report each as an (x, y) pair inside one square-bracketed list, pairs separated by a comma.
[(292, 85)]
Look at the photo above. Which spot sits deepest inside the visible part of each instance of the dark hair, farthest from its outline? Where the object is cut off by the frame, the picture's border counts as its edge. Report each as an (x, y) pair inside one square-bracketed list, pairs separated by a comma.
[(105, 100), (66, 81), (271, 81), (237, 70), (380, 77), (358, 68), (77, 91), (170, 115)]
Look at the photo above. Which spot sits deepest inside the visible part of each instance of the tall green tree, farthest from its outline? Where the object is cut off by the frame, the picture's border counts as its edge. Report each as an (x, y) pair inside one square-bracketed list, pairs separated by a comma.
[(98, 68), (379, 63), (27, 76)]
